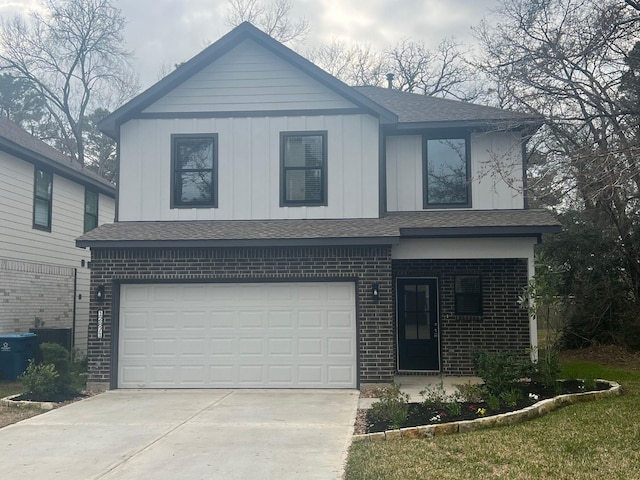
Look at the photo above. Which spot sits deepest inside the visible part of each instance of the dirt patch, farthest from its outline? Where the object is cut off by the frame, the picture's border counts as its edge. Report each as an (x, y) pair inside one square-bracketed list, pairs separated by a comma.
[(13, 414), (9, 415), (610, 355)]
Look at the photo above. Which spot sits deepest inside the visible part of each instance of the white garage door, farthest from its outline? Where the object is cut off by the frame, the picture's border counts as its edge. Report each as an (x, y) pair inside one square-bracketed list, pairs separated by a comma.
[(253, 335)]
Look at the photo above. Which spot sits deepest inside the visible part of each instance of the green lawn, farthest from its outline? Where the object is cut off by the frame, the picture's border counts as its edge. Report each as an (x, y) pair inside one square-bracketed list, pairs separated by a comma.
[(591, 440)]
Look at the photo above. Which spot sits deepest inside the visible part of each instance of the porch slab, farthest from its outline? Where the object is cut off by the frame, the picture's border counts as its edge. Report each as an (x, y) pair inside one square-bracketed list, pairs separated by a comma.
[(414, 384)]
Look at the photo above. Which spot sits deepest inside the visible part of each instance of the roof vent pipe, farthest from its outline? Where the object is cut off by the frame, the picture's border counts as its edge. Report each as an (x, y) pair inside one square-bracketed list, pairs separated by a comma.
[(390, 81)]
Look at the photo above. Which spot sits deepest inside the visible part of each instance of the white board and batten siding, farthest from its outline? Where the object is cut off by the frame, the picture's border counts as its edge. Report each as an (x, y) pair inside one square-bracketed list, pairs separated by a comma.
[(496, 172), (226, 335), (245, 81), (249, 167), (249, 78), (29, 252)]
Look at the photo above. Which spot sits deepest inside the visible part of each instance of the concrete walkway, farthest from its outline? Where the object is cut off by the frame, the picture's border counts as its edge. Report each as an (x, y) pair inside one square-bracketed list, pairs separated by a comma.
[(186, 434)]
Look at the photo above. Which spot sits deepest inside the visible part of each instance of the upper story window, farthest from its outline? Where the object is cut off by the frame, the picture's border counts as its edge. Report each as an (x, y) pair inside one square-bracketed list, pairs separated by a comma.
[(446, 182), (194, 167), (90, 210), (42, 200), (303, 168)]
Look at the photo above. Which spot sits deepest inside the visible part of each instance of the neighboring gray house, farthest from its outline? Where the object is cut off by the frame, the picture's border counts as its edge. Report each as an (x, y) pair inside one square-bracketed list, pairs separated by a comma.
[(277, 228), (46, 202)]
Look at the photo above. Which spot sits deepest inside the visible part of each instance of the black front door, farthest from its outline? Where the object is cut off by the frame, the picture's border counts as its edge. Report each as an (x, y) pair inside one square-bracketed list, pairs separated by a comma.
[(418, 347)]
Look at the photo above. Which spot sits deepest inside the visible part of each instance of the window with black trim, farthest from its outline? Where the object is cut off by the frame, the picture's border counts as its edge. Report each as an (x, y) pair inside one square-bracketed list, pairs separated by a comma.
[(90, 210), (42, 200), (303, 168), (194, 170), (446, 173), (468, 292)]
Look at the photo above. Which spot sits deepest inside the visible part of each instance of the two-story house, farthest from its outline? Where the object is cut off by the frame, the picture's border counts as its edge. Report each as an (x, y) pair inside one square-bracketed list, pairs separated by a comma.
[(46, 202), (278, 228)]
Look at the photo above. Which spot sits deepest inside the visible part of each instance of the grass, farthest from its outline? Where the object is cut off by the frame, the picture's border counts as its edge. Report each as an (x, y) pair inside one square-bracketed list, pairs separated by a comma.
[(10, 388), (587, 441)]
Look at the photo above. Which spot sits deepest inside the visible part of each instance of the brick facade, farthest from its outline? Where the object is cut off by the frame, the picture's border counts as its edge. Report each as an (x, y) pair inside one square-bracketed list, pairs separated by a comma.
[(365, 265), (503, 325), (35, 295)]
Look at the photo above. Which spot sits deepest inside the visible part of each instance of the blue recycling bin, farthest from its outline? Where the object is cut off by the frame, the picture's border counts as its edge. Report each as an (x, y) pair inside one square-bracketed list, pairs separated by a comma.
[(15, 352)]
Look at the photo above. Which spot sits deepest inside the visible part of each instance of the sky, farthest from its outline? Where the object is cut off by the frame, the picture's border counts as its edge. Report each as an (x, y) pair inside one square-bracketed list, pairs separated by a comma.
[(161, 33)]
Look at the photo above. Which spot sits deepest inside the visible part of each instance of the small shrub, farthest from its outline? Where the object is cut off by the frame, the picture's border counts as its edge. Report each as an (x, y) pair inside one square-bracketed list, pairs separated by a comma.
[(510, 397), (392, 408), (493, 403), (41, 381), (453, 409), (501, 371), (436, 396), (472, 392), (589, 384), (58, 356), (547, 369)]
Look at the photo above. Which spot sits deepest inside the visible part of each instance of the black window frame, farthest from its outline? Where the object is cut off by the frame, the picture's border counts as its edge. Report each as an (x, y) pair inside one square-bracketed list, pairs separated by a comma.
[(49, 200), (88, 214), (425, 169), (476, 297), (323, 170), (175, 202)]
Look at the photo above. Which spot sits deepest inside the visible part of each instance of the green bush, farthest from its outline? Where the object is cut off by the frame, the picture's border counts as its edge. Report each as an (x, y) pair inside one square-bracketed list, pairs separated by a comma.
[(57, 355), (41, 381), (510, 397), (70, 378), (501, 371), (392, 408)]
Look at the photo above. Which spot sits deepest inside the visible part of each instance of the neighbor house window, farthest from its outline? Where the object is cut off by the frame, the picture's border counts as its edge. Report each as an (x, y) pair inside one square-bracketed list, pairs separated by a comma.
[(303, 173), (446, 182), (194, 162), (90, 210), (468, 292), (42, 195)]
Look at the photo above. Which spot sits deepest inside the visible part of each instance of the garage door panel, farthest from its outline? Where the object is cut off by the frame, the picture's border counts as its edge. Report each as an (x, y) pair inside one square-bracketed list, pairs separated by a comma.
[(282, 335), (307, 319)]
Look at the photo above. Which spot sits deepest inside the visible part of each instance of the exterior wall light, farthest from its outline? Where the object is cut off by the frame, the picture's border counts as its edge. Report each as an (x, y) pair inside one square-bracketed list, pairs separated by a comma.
[(375, 291), (100, 293)]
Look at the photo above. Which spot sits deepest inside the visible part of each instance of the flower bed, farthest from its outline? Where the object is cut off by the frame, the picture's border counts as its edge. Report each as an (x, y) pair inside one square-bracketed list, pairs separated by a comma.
[(477, 415)]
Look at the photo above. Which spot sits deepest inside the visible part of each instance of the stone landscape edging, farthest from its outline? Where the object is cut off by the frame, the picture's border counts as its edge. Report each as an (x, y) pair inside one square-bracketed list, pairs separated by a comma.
[(9, 402), (510, 418)]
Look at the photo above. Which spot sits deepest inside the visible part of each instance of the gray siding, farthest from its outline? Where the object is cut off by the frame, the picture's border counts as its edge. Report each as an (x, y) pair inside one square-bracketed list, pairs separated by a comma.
[(37, 267)]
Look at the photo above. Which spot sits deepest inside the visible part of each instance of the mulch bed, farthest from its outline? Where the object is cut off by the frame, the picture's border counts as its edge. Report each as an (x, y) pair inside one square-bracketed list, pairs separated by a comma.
[(424, 414)]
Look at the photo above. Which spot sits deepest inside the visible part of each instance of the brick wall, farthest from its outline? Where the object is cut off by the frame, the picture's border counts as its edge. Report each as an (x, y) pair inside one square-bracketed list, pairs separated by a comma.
[(34, 295), (366, 265), (503, 325)]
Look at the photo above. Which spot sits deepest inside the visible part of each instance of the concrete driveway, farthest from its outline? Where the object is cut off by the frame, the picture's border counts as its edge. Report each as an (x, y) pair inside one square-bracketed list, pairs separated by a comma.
[(186, 434)]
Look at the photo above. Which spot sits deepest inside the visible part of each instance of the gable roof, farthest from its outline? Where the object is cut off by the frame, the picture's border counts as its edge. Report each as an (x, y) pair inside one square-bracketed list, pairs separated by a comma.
[(19, 143), (386, 230), (110, 124), (417, 111)]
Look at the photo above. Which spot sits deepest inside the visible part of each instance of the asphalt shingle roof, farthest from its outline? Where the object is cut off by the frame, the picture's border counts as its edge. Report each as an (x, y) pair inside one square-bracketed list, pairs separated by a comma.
[(12, 136), (415, 108), (382, 230)]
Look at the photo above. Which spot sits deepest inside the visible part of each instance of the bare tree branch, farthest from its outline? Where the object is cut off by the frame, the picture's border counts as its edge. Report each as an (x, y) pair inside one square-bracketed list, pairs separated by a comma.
[(272, 17), (71, 52)]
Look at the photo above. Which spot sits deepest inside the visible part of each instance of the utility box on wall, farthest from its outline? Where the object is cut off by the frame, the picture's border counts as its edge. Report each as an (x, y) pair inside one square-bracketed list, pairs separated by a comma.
[(61, 336)]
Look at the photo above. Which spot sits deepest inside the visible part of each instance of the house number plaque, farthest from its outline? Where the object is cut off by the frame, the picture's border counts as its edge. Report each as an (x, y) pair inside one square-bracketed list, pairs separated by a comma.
[(100, 322)]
